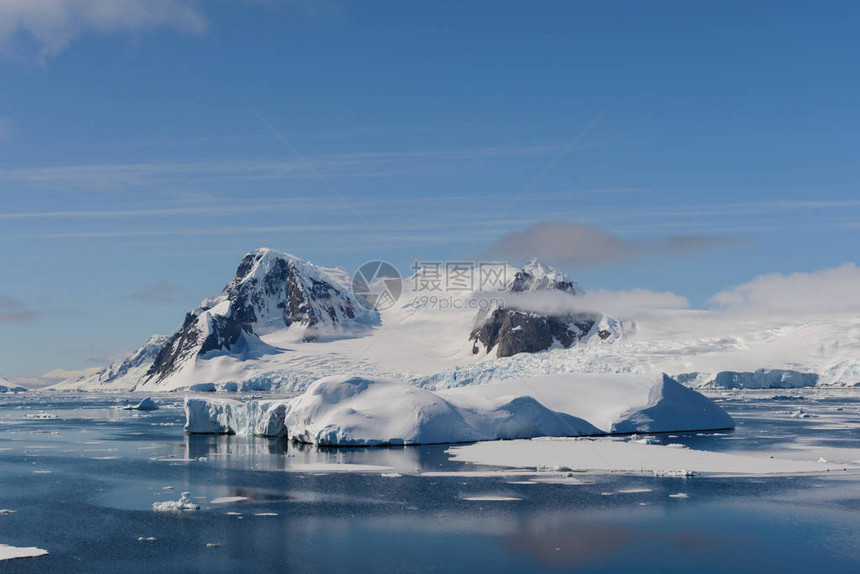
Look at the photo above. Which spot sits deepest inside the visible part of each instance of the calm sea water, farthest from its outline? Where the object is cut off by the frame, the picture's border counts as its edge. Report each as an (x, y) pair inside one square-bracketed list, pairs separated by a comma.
[(82, 487)]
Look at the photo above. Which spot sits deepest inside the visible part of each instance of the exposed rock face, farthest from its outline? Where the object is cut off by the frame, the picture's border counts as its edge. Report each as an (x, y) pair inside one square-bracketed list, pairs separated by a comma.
[(271, 290), (510, 331)]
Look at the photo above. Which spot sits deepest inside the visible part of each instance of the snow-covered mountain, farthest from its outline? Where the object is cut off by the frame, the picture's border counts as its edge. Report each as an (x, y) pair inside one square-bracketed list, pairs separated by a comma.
[(282, 323), (507, 331), (271, 291), (7, 387), (125, 374), (535, 276)]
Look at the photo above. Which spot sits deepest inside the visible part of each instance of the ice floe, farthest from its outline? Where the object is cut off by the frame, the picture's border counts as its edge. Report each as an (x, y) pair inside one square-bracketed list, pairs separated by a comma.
[(12, 552), (622, 456), (183, 504)]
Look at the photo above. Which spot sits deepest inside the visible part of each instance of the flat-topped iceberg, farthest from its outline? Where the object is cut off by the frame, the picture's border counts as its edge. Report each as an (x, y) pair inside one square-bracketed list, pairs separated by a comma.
[(355, 411)]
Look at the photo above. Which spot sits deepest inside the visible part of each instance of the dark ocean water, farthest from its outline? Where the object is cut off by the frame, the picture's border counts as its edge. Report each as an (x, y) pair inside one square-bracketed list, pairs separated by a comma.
[(82, 487)]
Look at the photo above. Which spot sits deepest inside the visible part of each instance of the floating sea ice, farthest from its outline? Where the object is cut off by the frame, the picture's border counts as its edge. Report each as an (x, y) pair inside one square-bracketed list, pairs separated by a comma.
[(12, 552), (675, 473), (184, 503)]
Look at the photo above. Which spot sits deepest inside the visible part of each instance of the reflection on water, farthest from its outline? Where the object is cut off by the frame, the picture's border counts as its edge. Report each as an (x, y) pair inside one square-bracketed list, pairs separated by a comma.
[(82, 485), (262, 453)]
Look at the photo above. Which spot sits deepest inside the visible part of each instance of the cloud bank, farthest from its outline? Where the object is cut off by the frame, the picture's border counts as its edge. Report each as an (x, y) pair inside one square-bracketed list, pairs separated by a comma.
[(49, 26), (578, 246), (834, 290)]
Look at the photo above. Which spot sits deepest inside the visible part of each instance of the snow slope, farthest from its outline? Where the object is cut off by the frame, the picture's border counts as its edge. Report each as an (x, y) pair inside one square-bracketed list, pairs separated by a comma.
[(350, 411)]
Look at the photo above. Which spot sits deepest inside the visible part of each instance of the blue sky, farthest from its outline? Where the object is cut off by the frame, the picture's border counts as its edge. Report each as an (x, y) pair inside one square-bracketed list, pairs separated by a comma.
[(143, 152)]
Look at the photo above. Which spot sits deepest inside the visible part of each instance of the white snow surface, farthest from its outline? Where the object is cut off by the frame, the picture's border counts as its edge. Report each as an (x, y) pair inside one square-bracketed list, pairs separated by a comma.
[(13, 552), (627, 456), (361, 411)]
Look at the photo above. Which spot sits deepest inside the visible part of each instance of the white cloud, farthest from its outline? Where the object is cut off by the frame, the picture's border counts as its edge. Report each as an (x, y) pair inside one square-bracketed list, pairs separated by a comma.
[(50, 26), (619, 304), (580, 246), (834, 290)]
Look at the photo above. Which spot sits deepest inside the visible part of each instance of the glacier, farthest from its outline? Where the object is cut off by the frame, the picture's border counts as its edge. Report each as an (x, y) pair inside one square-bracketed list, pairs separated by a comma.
[(359, 411)]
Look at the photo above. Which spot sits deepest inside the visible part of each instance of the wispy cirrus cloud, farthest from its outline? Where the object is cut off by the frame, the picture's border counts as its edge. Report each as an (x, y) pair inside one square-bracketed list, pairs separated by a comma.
[(118, 176), (15, 311), (582, 246), (47, 27)]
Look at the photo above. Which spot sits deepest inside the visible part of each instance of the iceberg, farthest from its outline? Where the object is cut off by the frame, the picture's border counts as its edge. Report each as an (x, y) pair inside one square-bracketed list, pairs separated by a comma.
[(672, 407), (358, 411), (760, 379), (146, 404), (183, 504)]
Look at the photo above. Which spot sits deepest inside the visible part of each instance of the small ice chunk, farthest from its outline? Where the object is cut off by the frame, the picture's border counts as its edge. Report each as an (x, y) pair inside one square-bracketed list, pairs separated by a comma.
[(184, 503)]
